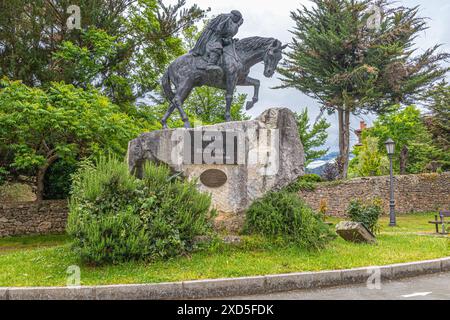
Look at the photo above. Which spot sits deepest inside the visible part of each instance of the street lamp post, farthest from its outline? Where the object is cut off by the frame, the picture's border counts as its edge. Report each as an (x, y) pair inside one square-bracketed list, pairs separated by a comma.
[(390, 146)]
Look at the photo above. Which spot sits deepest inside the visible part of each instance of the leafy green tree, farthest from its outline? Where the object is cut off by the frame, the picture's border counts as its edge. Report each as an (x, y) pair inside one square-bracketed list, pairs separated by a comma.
[(61, 123), (369, 160), (123, 47), (405, 126), (312, 138), (82, 65), (351, 68), (207, 105)]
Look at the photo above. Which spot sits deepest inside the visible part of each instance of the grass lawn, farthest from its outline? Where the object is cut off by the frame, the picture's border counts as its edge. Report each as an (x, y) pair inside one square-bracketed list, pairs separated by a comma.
[(43, 261)]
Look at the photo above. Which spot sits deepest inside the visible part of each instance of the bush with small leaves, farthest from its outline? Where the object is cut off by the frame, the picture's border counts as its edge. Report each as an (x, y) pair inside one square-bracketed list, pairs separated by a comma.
[(115, 217), (366, 214), (306, 182), (283, 215)]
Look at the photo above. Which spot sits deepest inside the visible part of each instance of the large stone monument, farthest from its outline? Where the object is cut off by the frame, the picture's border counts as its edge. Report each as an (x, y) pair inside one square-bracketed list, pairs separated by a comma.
[(236, 162)]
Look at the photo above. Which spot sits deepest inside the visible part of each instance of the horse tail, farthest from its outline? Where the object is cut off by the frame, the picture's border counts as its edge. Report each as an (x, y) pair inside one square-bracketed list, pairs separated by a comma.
[(165, 81)]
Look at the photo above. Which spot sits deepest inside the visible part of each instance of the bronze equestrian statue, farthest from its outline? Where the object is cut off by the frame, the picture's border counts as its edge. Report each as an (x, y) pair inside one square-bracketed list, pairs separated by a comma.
[(218, 60)]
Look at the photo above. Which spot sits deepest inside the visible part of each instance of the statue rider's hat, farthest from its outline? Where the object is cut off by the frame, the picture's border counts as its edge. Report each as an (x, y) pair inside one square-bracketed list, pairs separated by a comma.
[(236, 14)]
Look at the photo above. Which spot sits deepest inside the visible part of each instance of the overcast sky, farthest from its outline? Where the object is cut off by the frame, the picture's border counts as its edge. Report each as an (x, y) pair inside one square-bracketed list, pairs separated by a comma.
[(271, 18)]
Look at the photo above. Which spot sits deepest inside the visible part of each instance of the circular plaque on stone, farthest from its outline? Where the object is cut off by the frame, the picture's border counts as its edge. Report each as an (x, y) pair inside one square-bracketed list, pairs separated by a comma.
[(213, 178)]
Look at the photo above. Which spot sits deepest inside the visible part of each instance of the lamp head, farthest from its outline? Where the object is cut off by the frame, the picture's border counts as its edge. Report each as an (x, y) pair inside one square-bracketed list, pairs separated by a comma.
[(390, 146)]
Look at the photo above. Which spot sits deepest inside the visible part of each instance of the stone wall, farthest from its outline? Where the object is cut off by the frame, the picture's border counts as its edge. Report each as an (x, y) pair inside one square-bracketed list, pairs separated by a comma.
[(29, 218), (413, 193)]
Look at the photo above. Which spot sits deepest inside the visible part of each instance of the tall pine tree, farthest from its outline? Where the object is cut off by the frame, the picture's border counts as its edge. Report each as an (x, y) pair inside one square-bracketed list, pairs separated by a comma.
[(438, 120), (351, 67), (313, 136)]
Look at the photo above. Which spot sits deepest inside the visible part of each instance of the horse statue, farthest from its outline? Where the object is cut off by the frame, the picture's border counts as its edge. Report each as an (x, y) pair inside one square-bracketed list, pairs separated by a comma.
[(189, 71)]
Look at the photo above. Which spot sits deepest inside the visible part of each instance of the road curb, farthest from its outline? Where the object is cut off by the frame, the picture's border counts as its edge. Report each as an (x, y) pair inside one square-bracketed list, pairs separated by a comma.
[(218, 288)]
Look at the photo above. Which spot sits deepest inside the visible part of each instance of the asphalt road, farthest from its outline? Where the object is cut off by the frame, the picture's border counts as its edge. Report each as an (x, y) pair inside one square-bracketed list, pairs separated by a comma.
[(430, 287)]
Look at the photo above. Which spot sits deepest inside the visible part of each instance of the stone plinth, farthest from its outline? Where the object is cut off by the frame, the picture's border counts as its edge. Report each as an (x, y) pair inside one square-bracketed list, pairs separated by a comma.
[(236, 162)]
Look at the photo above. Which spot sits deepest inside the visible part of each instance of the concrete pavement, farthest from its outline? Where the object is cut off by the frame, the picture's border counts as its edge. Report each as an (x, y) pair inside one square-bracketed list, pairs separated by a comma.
[(429, 287)]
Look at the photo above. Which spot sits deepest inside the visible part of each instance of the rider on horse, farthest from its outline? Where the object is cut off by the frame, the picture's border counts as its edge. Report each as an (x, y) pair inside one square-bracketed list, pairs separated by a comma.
[(218, 34)]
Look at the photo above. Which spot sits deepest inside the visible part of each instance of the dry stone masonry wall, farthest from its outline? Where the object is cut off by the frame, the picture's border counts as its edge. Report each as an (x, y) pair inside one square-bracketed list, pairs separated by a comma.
[(30, 218), (413, 193)]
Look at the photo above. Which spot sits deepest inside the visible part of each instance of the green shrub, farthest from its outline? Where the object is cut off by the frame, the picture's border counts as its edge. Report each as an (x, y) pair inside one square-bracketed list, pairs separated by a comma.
[(306, 182), (115, 217), (366, 214), (284, 215), (57, 181), (3, 175), (311, 177)]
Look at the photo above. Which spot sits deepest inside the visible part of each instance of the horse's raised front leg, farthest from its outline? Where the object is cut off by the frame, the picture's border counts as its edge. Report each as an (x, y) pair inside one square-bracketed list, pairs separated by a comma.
[(254, 83), (231, 86)]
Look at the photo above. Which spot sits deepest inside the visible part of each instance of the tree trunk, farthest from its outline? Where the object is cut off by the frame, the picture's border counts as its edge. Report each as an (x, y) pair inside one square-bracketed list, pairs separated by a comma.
[(344, 142), (403, 159), (40, 176), (40, 183)]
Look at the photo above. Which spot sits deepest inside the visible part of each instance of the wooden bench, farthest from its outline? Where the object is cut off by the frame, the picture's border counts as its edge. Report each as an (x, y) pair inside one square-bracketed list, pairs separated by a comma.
[(441, 221)]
